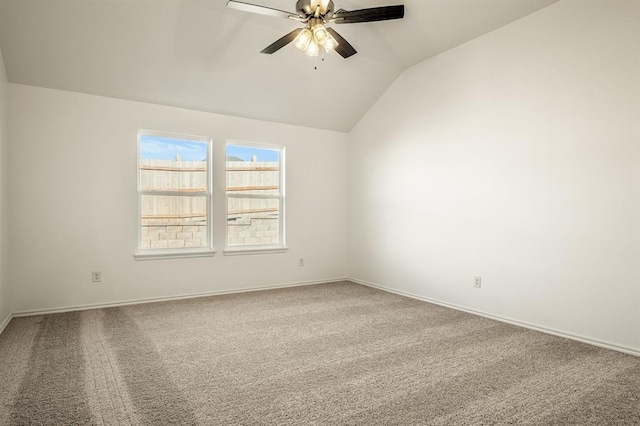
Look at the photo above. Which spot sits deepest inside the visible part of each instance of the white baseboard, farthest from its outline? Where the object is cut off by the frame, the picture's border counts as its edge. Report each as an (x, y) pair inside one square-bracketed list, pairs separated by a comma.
[(5, 323), (583, 339), (85, 307)]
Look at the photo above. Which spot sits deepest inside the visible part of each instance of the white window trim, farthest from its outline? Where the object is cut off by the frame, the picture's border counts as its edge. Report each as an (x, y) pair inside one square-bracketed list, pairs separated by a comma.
[(259, 248), (175, 253), (255, 249)]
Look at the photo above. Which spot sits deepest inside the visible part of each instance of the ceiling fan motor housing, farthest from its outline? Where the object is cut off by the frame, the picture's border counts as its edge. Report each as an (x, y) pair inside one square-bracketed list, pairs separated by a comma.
[(308, 7)]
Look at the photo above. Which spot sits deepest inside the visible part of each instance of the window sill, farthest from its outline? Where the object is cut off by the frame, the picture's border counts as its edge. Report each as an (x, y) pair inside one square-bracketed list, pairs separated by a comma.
[(253, 250), (171, 254)]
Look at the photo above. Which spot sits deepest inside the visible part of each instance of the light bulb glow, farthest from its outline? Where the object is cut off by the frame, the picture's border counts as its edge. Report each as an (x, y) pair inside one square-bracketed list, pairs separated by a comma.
[(313, 49), (320, 34), (303, 39)]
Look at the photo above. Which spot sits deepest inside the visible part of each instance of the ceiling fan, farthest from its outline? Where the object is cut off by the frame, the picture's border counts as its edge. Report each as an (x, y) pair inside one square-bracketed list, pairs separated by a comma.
[(315, 38)]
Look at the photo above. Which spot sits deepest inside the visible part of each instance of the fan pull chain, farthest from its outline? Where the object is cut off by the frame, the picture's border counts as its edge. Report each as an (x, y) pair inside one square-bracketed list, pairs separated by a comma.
[(315, 60)]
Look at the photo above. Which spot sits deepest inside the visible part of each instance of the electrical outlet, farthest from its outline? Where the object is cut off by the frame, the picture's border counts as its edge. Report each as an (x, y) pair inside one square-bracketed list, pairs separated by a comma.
[(96, 276), (477, 282), (301, 261)]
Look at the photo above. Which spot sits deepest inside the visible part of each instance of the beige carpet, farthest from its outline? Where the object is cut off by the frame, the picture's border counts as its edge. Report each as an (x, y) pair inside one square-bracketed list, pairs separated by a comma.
[(327, 354)]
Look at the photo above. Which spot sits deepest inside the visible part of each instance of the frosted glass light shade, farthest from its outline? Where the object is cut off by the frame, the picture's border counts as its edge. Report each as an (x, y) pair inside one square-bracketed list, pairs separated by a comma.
[(320, 34), (303, 39), (313, 49), (331, 43)]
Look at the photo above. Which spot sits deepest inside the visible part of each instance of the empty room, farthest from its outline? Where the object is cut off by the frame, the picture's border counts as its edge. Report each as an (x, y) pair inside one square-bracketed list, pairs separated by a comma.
[(316, 212)]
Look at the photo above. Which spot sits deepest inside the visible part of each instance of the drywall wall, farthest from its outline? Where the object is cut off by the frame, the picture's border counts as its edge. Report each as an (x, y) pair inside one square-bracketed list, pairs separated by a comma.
[(514, 157), (4, 199), (73, 177)]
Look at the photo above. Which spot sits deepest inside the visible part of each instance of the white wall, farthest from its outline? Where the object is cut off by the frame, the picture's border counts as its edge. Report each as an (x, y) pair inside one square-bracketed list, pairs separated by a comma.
[(73, 177), (5, 308), (515, 157)]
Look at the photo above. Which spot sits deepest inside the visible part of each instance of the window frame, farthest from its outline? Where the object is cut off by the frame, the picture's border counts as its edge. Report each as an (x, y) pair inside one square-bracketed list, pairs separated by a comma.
[(178, 252), (281, 246)]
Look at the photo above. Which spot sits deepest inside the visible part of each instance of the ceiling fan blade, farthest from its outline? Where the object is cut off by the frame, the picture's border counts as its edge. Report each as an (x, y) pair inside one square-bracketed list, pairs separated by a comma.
[(261, 10), (280, 43), (344, 49), (383, 13)]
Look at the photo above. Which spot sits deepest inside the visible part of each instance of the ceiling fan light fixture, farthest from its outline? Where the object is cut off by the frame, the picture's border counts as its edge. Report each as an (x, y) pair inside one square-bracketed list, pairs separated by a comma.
[(303, 40), (313, 49), (320, 34), (331, 43)]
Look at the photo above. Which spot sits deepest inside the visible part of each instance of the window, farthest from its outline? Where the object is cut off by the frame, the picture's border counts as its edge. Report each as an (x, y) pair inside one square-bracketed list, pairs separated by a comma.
[(255, 198), (174, 195)]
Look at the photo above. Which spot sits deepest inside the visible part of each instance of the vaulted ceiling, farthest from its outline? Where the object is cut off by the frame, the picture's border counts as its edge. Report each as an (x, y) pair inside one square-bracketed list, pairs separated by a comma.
[(200, 55)]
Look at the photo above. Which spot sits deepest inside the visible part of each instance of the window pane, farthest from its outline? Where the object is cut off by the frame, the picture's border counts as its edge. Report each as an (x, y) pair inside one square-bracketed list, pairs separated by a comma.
[(168, 164), (252, 171), (173, 221), (252, 221), (252, 178)]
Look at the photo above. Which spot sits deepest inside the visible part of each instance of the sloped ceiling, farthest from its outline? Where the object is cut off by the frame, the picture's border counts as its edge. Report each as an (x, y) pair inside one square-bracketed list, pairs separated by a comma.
[(200, 55)]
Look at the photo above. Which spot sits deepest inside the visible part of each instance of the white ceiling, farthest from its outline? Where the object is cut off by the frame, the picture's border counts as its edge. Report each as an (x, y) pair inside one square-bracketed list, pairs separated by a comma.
[(198, 54)]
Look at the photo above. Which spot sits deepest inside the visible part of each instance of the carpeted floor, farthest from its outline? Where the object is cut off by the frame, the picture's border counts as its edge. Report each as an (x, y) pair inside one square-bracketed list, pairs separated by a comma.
[(331, 354)]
